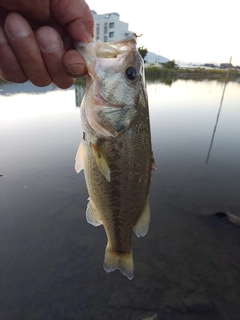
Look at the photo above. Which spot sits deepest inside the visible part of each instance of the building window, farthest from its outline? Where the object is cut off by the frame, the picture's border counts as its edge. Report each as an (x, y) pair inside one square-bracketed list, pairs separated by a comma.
[(105, 28), (105, 39), (111, 25), (111, 34), (97, 28)]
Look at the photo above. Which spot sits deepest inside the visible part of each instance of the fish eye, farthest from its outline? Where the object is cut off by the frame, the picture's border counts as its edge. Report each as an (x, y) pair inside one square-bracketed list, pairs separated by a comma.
[(131, 73)]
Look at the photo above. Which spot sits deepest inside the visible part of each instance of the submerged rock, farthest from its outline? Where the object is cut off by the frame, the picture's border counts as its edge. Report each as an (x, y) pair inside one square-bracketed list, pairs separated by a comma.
[(172, 299), (198, 303)]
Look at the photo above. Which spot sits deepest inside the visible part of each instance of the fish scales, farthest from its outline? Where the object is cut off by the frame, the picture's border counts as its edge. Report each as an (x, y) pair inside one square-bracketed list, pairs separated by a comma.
[(116, 152), (118, 198)]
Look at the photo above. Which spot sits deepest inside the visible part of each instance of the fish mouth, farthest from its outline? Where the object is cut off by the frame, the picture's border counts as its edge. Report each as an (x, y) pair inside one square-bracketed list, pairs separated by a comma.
[(100, 101)]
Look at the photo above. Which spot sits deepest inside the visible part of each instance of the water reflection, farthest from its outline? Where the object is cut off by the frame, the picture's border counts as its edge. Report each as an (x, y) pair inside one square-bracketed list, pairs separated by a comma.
[(187, 267), (27, 87), (79, 93)]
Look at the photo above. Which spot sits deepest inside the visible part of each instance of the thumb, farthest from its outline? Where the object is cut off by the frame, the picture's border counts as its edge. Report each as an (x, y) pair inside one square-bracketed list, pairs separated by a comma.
[(76, 17)]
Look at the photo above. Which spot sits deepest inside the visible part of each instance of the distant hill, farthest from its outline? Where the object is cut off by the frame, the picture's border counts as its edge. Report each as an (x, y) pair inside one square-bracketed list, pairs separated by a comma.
[(152, 57)]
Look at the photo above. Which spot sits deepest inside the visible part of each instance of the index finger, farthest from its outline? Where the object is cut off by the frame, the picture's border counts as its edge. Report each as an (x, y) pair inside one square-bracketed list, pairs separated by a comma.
[(77, 18)]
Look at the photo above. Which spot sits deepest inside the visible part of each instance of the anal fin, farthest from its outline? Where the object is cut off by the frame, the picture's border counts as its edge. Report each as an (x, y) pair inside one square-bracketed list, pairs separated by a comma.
[(141, 227), (92, 214)]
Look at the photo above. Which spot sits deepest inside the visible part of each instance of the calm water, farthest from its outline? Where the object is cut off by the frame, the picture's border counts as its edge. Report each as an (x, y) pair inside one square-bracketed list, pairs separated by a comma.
[(188, 265)]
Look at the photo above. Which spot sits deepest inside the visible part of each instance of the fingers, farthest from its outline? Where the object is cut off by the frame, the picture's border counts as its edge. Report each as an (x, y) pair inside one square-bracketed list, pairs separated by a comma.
[(42, 57), (25, 47), (74, 64), (38, 58), (10, 68), (37, 9), (77, 18), (52, 49)]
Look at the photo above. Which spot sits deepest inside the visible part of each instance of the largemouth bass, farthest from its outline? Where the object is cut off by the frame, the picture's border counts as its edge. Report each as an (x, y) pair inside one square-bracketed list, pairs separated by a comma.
[(115, 151)]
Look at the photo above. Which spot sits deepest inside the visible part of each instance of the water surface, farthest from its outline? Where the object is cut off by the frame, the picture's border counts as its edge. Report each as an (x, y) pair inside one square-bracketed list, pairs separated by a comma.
[(186, 267)]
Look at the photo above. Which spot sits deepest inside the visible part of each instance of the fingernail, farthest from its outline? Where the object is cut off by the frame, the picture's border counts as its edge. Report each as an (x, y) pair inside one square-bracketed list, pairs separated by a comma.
[(16, 26), (77, 69), (87, 37), (48, 39)]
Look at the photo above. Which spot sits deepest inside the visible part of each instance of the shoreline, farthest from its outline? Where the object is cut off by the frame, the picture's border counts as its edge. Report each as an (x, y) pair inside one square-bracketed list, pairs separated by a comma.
[(154, 72)]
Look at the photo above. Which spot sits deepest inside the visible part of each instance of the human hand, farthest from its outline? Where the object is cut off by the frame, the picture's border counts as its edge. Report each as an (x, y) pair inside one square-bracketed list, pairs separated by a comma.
[(36, 40)]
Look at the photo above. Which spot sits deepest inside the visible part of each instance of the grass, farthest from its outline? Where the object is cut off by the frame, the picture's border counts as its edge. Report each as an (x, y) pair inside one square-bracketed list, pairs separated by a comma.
[(154, 72), (81, 81)]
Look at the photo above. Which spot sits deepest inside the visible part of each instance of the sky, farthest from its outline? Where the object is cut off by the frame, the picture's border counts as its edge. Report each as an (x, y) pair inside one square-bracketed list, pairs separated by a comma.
[(205, 31)]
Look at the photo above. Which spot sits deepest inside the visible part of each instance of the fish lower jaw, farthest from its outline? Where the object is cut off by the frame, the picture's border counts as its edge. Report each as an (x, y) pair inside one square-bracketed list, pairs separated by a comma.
[(99, 100)]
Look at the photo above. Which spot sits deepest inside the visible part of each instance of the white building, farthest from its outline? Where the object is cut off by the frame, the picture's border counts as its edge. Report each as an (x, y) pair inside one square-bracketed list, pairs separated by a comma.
[(108, 27)]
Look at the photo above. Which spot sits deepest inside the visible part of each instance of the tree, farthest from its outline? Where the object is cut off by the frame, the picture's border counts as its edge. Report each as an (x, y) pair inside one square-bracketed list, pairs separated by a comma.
[(143, 52), (170, 64)]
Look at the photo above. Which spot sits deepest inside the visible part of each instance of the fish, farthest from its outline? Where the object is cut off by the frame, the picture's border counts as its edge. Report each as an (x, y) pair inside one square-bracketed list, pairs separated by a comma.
[(115, 150)]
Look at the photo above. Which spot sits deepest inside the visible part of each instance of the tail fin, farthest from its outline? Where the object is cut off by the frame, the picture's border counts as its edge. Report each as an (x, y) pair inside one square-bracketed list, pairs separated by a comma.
[(119, 260)]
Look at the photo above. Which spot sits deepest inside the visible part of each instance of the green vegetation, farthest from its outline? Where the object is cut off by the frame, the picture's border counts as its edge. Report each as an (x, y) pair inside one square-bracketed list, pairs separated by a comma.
[(154, 72), (170, 65), (143, 52), (81, 81)]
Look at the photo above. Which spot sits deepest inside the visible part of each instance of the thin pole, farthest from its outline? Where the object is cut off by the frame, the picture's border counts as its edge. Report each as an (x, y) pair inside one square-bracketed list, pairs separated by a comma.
[(219, 111)]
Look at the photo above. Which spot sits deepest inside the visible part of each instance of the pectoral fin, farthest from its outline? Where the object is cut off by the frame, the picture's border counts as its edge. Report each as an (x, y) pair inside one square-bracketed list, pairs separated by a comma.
[(92, 214), (79, 160), (141, 227), (101, 160)]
